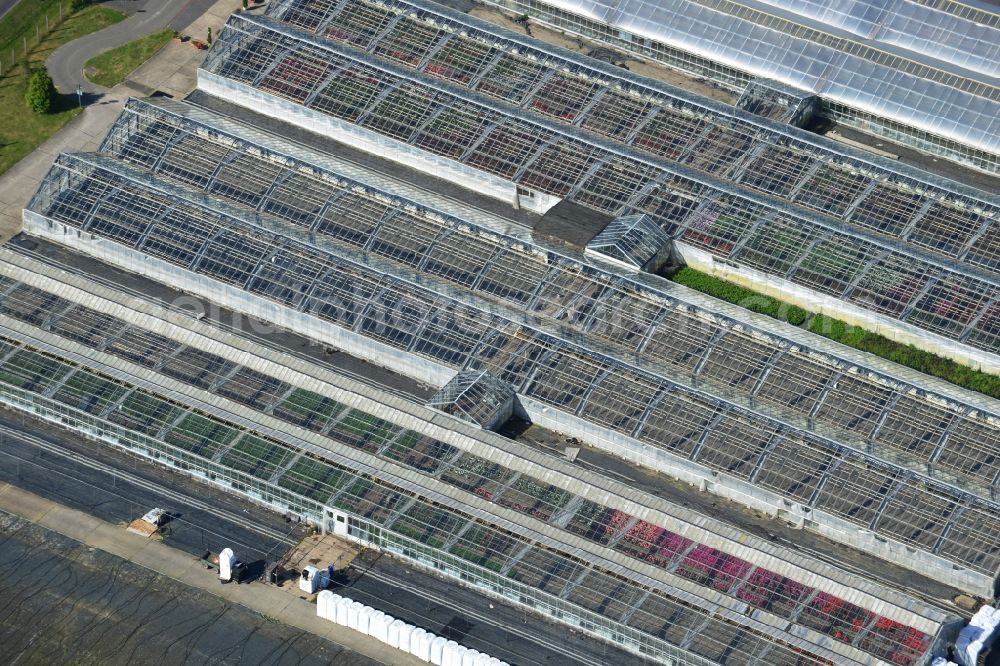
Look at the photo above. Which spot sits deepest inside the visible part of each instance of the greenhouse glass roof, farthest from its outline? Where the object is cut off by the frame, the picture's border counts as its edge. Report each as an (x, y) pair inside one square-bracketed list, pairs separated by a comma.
[(130, 392), (815, 390), (477, 397), (632, 240), (190, 231), (933, 70), (860, 268), (648, 115)]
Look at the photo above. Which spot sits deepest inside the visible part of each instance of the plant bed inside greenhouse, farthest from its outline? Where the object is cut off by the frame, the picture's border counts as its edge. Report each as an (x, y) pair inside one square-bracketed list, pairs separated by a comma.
[(363, 431), (89, 392), (308, 409), (311, 478), (533, 498), (257, 457), (420, 452), (200, 435), (477, 475), (29, 370)]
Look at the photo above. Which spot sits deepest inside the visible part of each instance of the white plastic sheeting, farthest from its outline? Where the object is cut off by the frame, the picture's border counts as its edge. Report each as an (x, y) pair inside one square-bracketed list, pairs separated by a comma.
[(977, 636), (420, 643)]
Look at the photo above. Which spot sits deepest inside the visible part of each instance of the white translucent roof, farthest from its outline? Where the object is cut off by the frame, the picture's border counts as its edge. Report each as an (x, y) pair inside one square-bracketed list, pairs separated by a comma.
[(913, 26), (930, 69), (861, 17)]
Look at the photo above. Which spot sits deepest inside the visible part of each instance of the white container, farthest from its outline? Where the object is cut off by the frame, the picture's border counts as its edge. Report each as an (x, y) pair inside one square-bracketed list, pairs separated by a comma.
[(381, 632), (376, 618), (394, 630), (365, 618), (415, 637), (494, 661), (469, 658), (331, 607), (226, 562), (353, 611), (482, 660), (460, 655), (406, 636), (424, 649), (449, 655), (437, 650), (340, 612), (322, 602)]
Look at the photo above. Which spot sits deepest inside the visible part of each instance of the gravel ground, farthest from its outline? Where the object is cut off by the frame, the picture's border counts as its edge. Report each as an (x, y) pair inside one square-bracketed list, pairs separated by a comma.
[(64, 603)]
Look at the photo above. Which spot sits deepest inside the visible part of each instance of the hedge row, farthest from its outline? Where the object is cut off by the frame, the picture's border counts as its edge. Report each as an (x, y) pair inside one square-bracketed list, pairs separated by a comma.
[(751, 300), (839, 331)]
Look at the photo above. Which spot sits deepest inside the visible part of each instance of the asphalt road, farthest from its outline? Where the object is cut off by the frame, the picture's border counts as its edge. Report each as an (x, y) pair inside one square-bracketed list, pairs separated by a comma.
[(117, 488), (202, 518), (65, 65), (6, 6), (443, 606)]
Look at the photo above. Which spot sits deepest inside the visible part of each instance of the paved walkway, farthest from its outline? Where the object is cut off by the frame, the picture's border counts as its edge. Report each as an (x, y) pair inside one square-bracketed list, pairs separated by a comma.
[(269, 601), (66, 63)]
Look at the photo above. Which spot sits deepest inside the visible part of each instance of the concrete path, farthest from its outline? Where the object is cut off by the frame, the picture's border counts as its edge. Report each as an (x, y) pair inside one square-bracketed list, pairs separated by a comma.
[(66, 63), (267, 600)]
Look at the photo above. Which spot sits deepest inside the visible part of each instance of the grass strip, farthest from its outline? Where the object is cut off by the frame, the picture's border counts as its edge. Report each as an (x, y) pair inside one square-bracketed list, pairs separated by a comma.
[(18, 139), (112, 67)]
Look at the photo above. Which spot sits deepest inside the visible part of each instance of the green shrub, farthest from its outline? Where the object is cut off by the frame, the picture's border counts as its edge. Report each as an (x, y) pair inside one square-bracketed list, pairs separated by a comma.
[(77, 5), (747, 298), (41, 92), (844, 333)]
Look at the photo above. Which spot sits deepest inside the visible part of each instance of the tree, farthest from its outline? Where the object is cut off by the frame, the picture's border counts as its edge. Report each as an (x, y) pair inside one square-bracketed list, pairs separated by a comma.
[(41, 92), (245, 4)]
